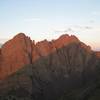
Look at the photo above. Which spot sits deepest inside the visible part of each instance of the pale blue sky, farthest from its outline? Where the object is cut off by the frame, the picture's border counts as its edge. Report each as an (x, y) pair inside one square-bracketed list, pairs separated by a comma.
[(49, 19)]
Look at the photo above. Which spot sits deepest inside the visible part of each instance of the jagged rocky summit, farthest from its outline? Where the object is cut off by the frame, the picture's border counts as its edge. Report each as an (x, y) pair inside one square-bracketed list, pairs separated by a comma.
[(46, 69), (21, 50)]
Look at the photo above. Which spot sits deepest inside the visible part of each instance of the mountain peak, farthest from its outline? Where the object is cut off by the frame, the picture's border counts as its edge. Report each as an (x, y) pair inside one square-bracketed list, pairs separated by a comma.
[(64, 36), (22, 50), (65, 39), (42, 67), (20, 36)]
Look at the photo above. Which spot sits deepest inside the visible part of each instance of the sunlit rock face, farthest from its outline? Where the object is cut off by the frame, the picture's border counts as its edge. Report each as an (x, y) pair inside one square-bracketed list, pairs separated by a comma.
[(44, 48), (97, 54), (46, 69), (15, 54), (65, 40), (21, 50)]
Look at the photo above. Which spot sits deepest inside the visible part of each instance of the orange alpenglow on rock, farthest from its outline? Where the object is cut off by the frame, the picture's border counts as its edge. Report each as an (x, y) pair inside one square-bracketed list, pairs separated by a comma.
[(98, 54), (15, 53), (21, 50), (65, 40)]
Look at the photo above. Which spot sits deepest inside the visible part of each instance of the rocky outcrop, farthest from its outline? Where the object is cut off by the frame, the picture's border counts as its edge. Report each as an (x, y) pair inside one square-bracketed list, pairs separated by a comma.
[(68, 68), (15, 54), (47, 69), (50, 76), (97, 54), (41, 49), (20, 51), (44, 48), (65, 40)]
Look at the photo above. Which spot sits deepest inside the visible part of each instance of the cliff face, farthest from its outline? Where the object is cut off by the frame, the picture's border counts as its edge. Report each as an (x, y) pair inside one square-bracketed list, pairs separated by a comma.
[(15, 54), (46, 69), (20, 51), (70, 67), (97, 54)]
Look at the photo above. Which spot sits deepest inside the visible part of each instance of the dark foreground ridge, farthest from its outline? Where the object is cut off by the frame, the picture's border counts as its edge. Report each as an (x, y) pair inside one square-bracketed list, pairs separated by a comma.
[(62, 69)]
